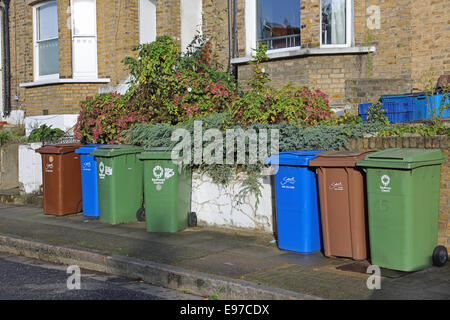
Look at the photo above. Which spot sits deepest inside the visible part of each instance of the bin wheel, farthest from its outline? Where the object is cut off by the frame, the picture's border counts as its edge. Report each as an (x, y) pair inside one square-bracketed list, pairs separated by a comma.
[(440, 256), (140, 215), (192, 219)]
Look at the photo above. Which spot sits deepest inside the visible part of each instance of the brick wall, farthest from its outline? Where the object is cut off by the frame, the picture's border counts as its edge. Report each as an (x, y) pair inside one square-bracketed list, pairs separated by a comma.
[(168, 19), (430, 38), (117, 33), (437, 142), (414, 36), (369, 90), (215, 27)]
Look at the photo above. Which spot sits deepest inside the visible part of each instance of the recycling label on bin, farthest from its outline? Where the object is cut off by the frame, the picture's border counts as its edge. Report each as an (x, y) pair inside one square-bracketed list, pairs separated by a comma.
[(86, 166), (161, 175), (49, 165), (336, 186), (104, 171), (385, 181), (288, 183)]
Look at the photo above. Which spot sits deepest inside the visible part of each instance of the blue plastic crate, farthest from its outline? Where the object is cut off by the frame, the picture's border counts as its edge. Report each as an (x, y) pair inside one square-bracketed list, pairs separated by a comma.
[(399, 108), (363, 110), (421, 109)]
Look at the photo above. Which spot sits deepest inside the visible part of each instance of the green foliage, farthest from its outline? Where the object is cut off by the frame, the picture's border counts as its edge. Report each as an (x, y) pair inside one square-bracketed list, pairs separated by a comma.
[(375, 114), (427, 83), (265, 104), (104, 116), (436, 109), (260, 77), (45, 133), (172, 87), (347, 118), (292, 137), (12, 135), (401, 130), (216, 295), (368, 41)]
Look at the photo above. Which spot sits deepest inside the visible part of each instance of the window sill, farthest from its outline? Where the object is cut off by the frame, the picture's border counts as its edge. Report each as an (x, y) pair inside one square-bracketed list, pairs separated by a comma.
[(301, 52), (61, 81)]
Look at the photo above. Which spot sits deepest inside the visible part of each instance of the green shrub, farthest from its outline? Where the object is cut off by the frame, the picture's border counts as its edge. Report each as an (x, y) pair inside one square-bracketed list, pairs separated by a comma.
[(103, 117), (171, 88), (45, 133), (300, 106), (375, 114), (400, 130), (267, 105)]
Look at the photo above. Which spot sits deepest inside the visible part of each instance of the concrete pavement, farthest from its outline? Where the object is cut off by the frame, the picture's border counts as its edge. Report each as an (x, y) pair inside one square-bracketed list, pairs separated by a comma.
[(204, 261)]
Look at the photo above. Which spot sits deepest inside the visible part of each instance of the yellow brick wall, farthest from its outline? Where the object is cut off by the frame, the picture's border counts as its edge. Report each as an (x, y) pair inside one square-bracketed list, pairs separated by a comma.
[(414, 36), (117, 33), (430, 38)]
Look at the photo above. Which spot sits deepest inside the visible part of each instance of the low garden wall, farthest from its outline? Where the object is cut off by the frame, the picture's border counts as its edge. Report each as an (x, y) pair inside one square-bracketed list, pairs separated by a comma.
[(30, 168), (8, 167), (218, 205)]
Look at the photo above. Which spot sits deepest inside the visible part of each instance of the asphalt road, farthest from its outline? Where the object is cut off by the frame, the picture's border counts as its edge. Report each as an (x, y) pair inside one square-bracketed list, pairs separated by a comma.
[(27, 279)]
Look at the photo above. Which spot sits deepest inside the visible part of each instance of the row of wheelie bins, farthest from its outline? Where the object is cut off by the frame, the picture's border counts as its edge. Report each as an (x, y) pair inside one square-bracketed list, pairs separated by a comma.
[(381, 206), (116, 183)]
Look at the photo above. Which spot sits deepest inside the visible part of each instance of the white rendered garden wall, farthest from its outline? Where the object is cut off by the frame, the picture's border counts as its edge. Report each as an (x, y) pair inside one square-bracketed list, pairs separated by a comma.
[(218, 205)]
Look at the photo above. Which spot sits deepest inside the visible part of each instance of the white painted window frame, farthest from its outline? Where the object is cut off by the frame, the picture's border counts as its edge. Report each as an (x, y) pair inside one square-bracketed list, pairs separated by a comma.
[(37, 77), (191, 25), (93, 75), (251, 30), (349, 36), (141, 17)]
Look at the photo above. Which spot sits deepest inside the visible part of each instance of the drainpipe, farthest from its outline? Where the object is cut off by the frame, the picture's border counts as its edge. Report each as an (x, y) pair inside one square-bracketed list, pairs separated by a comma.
[(6, 57), (232, 10)]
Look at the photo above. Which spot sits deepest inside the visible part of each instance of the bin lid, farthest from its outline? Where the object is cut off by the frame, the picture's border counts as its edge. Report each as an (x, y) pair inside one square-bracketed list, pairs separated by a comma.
[(294, 158), (403, 158), (58, 148), (88, 148), (115, 150), (157, 153), (339, 158)]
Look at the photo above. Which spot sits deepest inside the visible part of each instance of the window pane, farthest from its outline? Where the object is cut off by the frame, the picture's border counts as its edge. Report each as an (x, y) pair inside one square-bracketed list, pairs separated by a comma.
[(47, 17), (85, 57), (334, 21), (48, 57), (147, 21), (84, 17), (279, 23)]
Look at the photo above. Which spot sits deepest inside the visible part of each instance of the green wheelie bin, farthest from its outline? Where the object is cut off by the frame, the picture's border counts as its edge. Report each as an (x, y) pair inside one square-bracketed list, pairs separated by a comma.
[(120, 187), (403, 202), (167, 192)]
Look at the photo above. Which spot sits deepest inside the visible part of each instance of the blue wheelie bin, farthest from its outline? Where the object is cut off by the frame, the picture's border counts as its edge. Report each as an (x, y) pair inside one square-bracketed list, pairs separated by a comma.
[(89, 183), (297, 202)]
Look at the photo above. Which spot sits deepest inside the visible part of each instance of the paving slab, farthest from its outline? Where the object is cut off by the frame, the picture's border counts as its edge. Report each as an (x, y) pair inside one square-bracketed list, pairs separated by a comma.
[(233, 254)]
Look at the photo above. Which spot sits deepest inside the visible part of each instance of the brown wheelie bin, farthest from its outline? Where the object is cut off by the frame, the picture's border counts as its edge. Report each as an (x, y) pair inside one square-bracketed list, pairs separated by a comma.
[(61, 177), (342, 203)]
